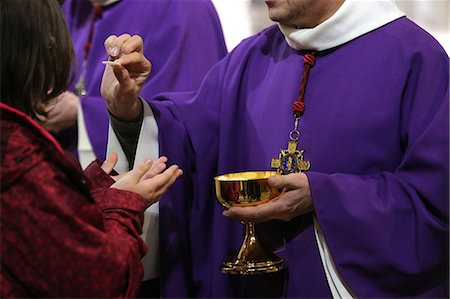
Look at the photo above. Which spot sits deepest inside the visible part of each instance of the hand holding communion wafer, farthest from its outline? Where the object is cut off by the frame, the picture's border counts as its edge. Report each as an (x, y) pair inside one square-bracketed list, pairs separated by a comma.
[(125, 75)]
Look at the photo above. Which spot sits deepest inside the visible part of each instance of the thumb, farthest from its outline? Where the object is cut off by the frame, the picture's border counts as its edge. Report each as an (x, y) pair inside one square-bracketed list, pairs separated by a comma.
[(109, 163), (288, 182), (123, 76), (277, 181)]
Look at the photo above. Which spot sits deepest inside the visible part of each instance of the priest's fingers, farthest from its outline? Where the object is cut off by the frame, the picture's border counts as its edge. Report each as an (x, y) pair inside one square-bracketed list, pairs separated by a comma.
[(126, 83), (108, 164), (289, 182), (136, 64), (255, 214), (132, 71), (285, 207), (109, 46), (133, 44), (114, 47)]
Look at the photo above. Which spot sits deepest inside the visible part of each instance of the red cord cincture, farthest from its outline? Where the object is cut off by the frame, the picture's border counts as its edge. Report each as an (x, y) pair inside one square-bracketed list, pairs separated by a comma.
[(299, 105)]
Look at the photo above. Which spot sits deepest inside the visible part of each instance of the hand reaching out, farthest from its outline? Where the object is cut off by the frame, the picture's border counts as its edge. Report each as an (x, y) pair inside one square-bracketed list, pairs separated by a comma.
[(149, 179), (157, 166), (123, 82), (295, 200)]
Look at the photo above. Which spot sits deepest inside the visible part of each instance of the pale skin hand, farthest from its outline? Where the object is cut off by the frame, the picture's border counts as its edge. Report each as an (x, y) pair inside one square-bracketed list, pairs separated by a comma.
[(157, 166), (149, 179), (61, 112), (122, 83), (295, 200)]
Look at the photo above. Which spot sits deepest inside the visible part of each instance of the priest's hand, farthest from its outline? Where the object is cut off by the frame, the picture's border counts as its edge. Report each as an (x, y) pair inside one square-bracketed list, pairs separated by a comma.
[(123, 81), (295, 200), (144, 180), (61, 112)]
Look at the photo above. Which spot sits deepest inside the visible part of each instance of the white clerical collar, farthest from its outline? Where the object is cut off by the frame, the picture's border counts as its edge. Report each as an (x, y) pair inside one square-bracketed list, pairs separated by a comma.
[(353, 19)]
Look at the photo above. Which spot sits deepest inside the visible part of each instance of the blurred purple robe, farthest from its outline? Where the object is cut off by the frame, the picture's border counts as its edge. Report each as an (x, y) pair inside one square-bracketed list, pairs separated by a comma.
[(183, 39), (376, 131)]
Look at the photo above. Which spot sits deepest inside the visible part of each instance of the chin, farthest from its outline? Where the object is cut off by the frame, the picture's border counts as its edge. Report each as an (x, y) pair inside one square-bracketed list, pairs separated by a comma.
[(274, 15)]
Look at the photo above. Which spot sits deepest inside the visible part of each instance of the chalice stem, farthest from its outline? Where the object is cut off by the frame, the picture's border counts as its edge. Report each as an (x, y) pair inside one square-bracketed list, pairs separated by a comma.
[(251, 249)]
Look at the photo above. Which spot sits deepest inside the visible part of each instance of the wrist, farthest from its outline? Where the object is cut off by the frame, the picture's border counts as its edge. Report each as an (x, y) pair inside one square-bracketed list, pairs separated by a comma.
[(125, 111)]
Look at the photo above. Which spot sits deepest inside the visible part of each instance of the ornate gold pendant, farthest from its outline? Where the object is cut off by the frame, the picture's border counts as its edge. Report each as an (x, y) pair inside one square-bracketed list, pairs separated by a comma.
[(290, 160), (80, 88)]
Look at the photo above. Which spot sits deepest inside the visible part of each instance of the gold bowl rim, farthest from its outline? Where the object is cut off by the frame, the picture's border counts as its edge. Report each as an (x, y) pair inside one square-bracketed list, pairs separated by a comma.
[(242, 176)]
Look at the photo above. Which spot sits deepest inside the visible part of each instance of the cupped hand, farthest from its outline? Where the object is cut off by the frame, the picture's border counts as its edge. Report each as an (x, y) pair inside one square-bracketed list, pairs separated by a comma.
[(157, 166), (295, 200), (122, 82), (149, 182)]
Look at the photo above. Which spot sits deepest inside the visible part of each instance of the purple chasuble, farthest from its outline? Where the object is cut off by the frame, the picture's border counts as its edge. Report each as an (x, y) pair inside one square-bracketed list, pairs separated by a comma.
[(182, 39), (376, 131)]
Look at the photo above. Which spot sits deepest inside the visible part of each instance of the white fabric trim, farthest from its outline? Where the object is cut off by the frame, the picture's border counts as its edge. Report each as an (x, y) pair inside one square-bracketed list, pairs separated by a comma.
[(353, 19), (113, 145), (85, 151), (335, 282), (106, 3), (109, 2), (147, 147)]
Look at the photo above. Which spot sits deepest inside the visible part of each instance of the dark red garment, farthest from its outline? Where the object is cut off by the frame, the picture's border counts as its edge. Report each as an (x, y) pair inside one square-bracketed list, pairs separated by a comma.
[(60, 237)]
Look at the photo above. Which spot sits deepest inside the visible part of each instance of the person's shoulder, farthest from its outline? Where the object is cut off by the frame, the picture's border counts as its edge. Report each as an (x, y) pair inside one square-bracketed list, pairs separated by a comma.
[(26, 148), (23, 137), (19, 145), (268, 37), (409, 36), (271, 33), (13, 119)]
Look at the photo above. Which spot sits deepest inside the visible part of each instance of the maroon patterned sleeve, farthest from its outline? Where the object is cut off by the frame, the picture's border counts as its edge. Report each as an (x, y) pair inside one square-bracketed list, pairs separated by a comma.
[(97, 176), (58, 244)]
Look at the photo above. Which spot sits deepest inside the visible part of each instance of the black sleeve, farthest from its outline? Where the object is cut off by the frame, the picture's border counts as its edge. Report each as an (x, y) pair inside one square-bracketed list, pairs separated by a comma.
[(127, 133)]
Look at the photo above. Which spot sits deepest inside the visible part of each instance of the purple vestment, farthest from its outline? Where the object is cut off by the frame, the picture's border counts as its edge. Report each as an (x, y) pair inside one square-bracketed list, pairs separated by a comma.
[(182, 39), (376, 132)]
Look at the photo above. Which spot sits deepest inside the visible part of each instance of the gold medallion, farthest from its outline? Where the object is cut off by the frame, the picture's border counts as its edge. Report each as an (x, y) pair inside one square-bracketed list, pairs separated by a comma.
[(290, 160)]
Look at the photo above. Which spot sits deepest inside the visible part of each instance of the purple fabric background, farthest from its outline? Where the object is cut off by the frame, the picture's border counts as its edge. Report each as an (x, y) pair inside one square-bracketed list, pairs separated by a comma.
[(182, 39)]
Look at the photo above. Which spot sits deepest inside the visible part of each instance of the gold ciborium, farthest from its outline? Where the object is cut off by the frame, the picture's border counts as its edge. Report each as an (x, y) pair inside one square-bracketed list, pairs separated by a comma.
[(248, 189)]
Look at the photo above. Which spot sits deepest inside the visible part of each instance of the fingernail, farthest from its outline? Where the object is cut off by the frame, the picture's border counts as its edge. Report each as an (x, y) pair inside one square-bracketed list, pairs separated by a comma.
[(148, 161), (114, 51)]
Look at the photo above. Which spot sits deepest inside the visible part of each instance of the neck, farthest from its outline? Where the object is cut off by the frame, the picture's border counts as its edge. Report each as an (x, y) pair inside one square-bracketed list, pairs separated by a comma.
[(351, 20)]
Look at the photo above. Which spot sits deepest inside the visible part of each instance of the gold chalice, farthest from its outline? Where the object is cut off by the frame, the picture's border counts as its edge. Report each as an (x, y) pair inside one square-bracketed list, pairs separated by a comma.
[(248, 189)]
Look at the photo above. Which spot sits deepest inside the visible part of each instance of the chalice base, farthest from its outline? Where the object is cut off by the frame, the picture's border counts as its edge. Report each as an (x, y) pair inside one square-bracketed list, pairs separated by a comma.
[(252, 258), (240, 267)]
